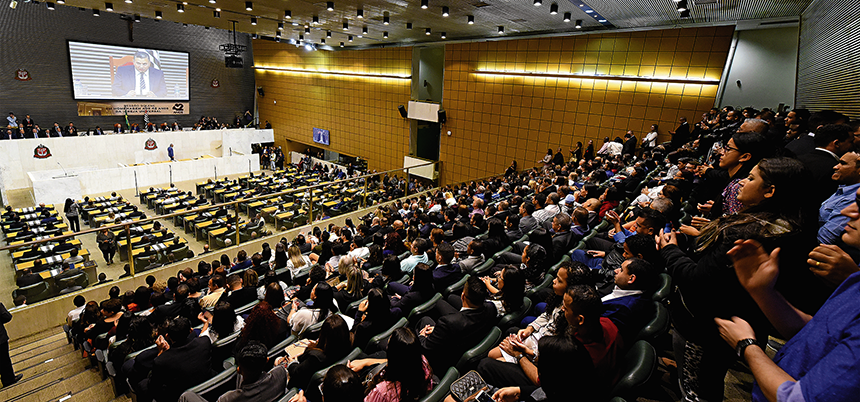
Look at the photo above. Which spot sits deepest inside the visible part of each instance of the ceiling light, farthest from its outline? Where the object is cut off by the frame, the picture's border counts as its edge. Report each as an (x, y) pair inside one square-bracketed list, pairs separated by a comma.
[(108, 6), (589, 11), (288, 14), (444, 11), (424, 4), (359, 13), (408, 25), (309, 47), (301, 37), (364, 30), (471, 19), (567, 17), (307, 30), (211, 1), (278, 40), (427, 31), (216, 14), (253, 36), (137, 18), (328, 34), (538, 3), (180, 8), (685, 14), (349, 38), (322, 41), (385, 20), (602, 20), (280, 26), (295, 24), (501, 29), (329, 6), (278, 34), (341, 44), (96, 12), (316, 20), (64, 2), (385, 34), (249, 5), (682, 5), (553, 9), (253, 20), (444, 36), (578, 24), (345, 25), (158, 15), (49, 5)]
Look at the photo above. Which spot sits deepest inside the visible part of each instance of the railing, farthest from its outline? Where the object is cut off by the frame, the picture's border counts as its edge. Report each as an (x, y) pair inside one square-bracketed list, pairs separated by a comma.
[(308, 191)]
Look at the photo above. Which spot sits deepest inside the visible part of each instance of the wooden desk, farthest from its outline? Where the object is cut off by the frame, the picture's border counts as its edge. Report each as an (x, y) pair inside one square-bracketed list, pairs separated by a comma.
[(203, 225), (53, 260), (30, 209), (13, 235), (18, 254), (156, 247), (38, 238)]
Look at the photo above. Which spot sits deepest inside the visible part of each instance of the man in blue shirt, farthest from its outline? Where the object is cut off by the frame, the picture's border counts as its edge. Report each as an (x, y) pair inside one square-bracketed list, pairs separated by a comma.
[(170, 152), (819, 362), (830, 220)]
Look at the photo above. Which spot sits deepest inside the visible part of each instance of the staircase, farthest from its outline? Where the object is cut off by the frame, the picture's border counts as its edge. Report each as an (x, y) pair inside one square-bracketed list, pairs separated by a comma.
[(54, 371)]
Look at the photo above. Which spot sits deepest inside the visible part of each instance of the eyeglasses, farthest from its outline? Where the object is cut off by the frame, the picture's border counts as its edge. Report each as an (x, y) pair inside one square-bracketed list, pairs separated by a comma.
[(727, 148)]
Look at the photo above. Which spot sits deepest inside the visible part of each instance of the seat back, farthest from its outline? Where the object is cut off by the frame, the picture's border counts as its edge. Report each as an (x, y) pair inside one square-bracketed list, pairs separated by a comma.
[(658, 325), (638, 366), (456, 287), (223, 347), (373, 343), (440, 391), (664, 290), (547, 282), (317, 378), (471, 357), (73, 281), (216, 386), (34, 293), (423, 308), (480, 269), (514, 317)]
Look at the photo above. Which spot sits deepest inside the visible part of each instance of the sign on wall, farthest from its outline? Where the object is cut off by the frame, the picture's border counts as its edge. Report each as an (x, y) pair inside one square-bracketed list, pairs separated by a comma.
[(132, 108)]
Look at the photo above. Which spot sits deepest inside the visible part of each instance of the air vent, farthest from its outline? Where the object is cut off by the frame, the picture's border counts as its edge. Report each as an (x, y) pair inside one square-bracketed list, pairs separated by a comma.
[(519, 21), (481, 4), (702, 2)]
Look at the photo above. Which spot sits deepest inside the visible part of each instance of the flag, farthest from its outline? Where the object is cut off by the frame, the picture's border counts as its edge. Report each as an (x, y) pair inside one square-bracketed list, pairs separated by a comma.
[(146, 117), (127, 124)]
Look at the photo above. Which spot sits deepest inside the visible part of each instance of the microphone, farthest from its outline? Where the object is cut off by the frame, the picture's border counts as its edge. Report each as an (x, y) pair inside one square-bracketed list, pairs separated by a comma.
[(64, 169)]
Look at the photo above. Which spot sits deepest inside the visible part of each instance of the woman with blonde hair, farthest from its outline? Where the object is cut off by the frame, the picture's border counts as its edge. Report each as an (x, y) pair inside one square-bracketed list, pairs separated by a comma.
[(352, 288), (296, 261)]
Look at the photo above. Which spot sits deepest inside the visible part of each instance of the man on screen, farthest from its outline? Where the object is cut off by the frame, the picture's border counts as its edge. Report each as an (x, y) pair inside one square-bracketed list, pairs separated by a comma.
[(139, 80)]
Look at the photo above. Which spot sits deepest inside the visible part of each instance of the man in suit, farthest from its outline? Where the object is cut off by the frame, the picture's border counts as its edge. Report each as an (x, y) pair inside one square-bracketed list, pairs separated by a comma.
[(681, 134), (181, 362), (9, 135), (239, 295), (527, 221), (445, 341), (56, 131), (7, 373), (71, 130), (98, 131), (139, 79), (67, 272), (562, 239), (446, 273), (28, 124), (28, 278), (831, 142)]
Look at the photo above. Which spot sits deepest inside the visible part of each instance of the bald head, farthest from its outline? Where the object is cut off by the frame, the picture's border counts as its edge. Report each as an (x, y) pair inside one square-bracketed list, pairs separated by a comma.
[(753, 126)]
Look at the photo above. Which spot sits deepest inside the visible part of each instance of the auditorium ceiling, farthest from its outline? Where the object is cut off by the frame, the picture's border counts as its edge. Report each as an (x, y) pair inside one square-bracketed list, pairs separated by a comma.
[(408, 22)]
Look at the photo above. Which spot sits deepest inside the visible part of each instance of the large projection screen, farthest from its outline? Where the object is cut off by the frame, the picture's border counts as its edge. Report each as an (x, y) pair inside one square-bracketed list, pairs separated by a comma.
[(108, 72)]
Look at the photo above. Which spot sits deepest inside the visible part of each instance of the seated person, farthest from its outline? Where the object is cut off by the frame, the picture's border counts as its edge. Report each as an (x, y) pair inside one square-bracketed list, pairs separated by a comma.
[(419, 255), (32, 252), (629, 305), (152, 263), (420, 291), (28, 278), (173, 247), (239, 295), (446, 273), (444, 341), (471, 257), (74, 258), (372, 317), (68, 272), (407, 376), (302, 318), (258, 385), (332, 345), (181, 362), (62, 247), (242, 261)]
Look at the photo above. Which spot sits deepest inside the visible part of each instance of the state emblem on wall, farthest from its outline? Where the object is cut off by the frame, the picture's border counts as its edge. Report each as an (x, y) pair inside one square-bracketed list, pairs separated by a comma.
[(41, 152), (22, 75), (150, 145), (216, 83)]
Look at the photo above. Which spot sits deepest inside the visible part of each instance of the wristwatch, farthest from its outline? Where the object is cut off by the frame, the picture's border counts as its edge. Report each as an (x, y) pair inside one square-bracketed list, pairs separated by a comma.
[(742, 345), (519, 356)]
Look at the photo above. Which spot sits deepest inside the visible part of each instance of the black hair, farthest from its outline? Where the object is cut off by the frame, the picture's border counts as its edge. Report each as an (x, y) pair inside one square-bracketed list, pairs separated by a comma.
[(477, 291), (342, 384), (646, 273), (446, 252), (253, 360)]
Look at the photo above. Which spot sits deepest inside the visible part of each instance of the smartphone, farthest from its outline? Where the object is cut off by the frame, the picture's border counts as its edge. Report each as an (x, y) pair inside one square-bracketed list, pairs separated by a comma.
[(483, 396), (668, 228)]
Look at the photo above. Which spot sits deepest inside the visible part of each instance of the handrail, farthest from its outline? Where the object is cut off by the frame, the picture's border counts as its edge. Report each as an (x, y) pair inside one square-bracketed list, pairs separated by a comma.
[(307, 190)]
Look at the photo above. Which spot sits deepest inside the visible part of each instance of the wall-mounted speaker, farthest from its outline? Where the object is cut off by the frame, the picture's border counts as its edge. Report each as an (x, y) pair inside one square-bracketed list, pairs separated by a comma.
[(443, 117), (402, 111), (260, 91)]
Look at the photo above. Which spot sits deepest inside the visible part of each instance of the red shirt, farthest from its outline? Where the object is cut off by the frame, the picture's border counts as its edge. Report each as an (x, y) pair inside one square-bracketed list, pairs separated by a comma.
[(605, 352)]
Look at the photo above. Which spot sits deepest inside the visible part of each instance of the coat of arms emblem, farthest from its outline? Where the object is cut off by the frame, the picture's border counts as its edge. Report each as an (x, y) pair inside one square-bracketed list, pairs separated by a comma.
[(150, 145), (41, 152)]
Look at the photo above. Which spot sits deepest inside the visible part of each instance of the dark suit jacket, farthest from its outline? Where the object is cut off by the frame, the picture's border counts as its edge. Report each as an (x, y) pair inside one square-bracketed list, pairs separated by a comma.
[(5, 316), (241, 297), (67, 274), (27, 280), (801, 145), (180, 368), (820, 164), (630, 314), (454, 334), (561, 244), (446, 275), (124, 81)]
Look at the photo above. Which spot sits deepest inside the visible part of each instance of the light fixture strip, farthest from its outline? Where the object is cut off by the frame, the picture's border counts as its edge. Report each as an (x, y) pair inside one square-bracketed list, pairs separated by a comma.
[(328, 72), (599, 77)]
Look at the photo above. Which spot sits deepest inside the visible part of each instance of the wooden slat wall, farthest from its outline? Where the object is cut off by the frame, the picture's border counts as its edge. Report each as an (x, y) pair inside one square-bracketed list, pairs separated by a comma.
[(34, 39), (828, 68)]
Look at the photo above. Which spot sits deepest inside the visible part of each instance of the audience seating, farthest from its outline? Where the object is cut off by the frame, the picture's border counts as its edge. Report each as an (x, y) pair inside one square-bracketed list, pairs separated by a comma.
[(637, 368)]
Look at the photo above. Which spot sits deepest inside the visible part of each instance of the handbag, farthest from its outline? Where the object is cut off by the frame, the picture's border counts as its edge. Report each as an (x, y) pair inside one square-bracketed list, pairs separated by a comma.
[(467, 385)]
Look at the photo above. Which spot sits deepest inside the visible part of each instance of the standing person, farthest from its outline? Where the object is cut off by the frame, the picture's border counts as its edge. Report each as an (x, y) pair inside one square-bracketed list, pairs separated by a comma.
[(170, 153), (576, 154), (107, 244), (72, 211), (650, 140), (547, 159), (589, 151), (7, 373)]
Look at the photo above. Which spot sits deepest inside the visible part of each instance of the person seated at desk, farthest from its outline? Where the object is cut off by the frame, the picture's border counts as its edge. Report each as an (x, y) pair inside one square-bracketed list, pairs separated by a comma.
[(153, 263), (62, 247), (32, 252), (9, 212), (156, 226), (46, 218), (68, 272), (25, 232), (28, 278), (16, 222), (165, 235), (221, 212), (147, 252), (175, 246), (38, 266), (74, 258), (242, 261), (136, 213)]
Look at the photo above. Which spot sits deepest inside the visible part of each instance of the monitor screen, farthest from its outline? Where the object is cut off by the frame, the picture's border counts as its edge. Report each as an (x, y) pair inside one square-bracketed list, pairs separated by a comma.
[(108, 72), (321, 136)]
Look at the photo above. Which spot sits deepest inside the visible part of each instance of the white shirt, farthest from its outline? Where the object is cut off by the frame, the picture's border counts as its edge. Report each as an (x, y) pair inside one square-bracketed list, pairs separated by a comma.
[(76, 313), (618, 293), (137, 89), (650, 140), (614, 148), (360, 253)]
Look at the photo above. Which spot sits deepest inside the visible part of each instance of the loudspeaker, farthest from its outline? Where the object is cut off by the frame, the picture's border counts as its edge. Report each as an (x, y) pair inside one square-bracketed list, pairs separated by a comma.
[(402, 111), (260, 91), (443, 117), (233, 62)]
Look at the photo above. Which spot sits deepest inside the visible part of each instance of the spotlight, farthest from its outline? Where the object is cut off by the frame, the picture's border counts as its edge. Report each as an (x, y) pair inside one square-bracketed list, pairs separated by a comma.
[(108, 6), (96, 12), (424, 4), (253, 36), (307, 30), (322, 40), (249, 5), (685, 14), (341, 44), (567, 17), (359, 13), (385, 34), (682, 5), (253, 20), (538, 3), (578, 24), (364, 30), (427, 31), (328, 34), (216, 14), (408, 25), (278, 34), (61, 1), (553, 9), (180, 8), (136, 18), (444, 11), (211, 1), (288, 14), (329, 6), (471, 20), (501, 30), (349, 38), (316, 20), (49, 5), (345, 25), (444, 36), (385, 20), (280, 26)]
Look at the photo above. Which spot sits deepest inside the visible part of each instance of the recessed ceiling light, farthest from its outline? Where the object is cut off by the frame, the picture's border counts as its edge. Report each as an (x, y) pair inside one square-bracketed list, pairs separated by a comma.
[(385, 34), (329, 6), (360, 13), (682, 5), (553, 9), (444, 11), (501, 29), (180, 8), (253, 20), (96, 12), (345, 25), (108, 6), (341, 44), (471, 19), (385, 20), (424, 4), (280, 26), (567, 17), (315, 20), (136, 18), (158, 15), (249, 5), (427, 31), (444, 35), (50, 5), (307, 30), (328, 34), (216, 14), (349, 38), (288, 14), (538, 3), (364, 30), (578, 24), (408, 25), (589, 11), (601, 20)]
